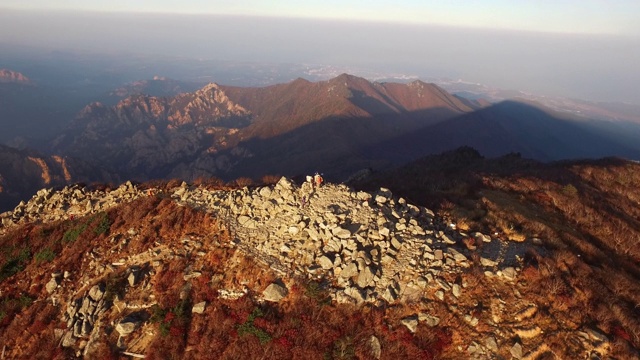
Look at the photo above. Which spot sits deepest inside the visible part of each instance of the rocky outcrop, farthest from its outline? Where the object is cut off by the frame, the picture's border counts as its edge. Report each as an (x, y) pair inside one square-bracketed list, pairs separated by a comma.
[(373, 247), (23, 172), (13, 77), (48, 205), (364, 248)]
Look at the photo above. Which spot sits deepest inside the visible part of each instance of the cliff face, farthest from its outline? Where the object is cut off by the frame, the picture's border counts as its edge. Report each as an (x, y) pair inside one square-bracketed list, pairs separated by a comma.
[(22, 173), (148, 137)]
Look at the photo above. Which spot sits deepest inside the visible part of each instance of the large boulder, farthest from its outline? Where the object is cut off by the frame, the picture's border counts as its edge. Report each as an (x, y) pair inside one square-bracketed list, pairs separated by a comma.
[(275, 292)]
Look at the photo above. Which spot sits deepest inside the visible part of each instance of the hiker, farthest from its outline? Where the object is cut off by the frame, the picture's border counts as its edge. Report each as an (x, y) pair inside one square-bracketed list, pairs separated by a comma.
[(304, 202), (310, 180), (317, 178)]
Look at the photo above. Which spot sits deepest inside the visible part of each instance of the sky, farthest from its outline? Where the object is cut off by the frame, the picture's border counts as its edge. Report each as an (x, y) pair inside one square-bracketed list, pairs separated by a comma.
[(565, 16), (586, 49)]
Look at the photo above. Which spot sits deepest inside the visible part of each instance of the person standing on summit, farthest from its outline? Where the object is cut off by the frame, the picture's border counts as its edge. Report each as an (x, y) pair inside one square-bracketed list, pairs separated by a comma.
[(317, 179)]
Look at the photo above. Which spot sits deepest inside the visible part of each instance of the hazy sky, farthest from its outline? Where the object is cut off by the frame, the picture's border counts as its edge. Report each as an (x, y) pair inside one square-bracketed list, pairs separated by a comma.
[(568, 16), (587, 49)]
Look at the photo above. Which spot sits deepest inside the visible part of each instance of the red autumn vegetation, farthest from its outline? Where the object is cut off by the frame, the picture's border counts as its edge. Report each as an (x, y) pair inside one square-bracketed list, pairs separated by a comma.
[(586, 213)]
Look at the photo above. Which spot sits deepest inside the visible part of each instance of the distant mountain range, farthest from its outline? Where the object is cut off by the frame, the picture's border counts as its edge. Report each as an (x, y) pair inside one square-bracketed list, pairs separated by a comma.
[(337, 126)]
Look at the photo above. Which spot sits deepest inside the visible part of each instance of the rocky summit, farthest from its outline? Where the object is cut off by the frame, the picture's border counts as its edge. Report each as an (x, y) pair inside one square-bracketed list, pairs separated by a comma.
[(186, 261)]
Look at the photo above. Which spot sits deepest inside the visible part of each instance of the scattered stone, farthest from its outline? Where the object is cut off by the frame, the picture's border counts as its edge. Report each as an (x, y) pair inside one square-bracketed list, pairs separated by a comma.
[(526, 313), (491, 344), (395, 243), (516, 351), (429, 320), (471, 320), (455, 289), (51, 285), (275, 292), (325, 262), (374, 347), (527, 332), (365, 277), (68, 340), (199, 307), (411, 322), (487, 262), (96, 292), (355, 294), (126, 327), (509, 273), (349, 271)]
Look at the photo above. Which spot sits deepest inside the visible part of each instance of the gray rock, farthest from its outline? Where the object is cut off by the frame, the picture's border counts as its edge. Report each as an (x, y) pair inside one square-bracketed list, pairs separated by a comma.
[(488, 262), (355, 294), (199, 307), (516, 351), (456, 290), (365, 277), (126, 327), (395, 243), (350, 270), (457, 256), (447, 240), (483, 237), (341, 233), (133, 278), (374, 347), (96, 292), (275, 292), (265, 191), (325, 262), (284, 184), (509, 273), (68, 340), (77, 329), (491, 344), (86, 304), (383, 231), (443, 284), (389, 294), (51, 285), (429, 320), (411, 322), (471, 320)]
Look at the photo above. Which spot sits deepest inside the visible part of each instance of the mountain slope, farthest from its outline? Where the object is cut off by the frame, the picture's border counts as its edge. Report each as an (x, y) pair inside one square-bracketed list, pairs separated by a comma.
[(279, 271), (338, 126), (516, 127)]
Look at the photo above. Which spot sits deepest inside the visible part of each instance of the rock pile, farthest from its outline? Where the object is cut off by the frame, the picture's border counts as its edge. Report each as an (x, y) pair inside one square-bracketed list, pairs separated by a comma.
[(373, 247), (48, 205), (82, 314)]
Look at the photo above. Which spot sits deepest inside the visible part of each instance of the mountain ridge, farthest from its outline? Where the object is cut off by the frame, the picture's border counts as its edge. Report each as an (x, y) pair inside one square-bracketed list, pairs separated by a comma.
[(377, 276)]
